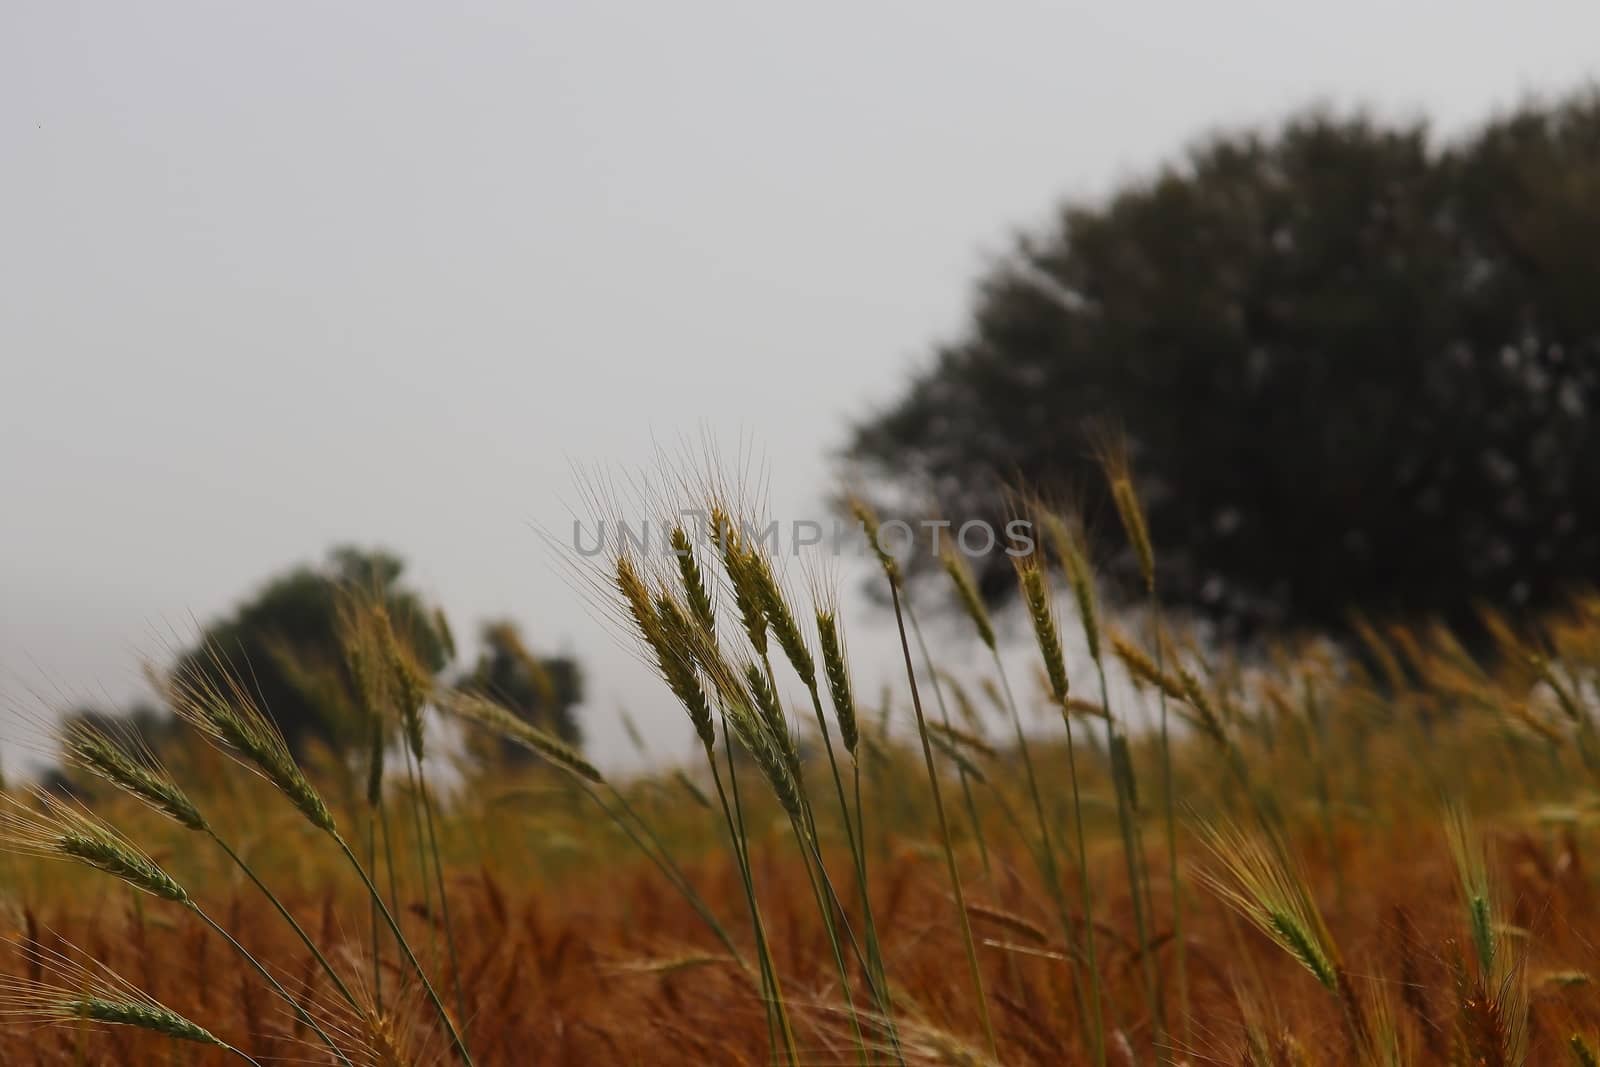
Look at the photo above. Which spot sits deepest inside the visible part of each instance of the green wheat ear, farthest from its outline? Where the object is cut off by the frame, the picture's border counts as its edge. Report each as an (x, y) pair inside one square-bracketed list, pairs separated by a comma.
[(967, 592), (80, 990), (837, 669), (62, 830), (1298, 940), (1119, 479), (756, 737), (410, 685), (230, 717), (676, 641), (108, 855), (94, 750), (745, 585), (1262, 885), (151, 1017), (695, 589), (496, 719), (775, 605)]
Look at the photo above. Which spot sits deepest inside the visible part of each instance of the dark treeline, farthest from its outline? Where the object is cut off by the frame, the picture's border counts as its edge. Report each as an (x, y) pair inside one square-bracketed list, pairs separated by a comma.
[(1356, 368)]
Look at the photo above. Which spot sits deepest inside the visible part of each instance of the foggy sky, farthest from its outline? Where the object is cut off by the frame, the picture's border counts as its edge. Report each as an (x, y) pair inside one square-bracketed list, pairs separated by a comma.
[(274, 276)]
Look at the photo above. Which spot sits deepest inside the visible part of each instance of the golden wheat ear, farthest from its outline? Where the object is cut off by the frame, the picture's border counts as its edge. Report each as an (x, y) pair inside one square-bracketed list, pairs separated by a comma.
[(1112, 450), (1067, 540), (1041, 613), (868, 518)]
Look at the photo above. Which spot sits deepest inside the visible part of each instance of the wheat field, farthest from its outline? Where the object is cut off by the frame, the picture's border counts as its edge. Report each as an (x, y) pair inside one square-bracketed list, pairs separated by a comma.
[(1174, 852)]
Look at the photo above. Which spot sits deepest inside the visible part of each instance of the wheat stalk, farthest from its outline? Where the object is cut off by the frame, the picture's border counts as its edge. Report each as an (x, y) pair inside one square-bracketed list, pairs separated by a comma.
[(135, 772), (234, 721), (89, 993), (1068, 546), (967, 592), (695, 589), (1262, 884), (666, 632), (1041, 613), (837, 669), (498, 720), (138, 772), (59, 829), (891, 573)]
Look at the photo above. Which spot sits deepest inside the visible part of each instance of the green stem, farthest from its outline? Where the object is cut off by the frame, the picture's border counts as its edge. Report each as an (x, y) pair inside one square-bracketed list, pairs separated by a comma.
[(944, 827), (875, 969), (809, 825), (1179, 948), (826, 908), (444, 903), (277, 987), (944, 715), (1084, 888), (664, 863), (305, 938), (388, 856), (405, 949), (806, 831), (771, 990), (422, 860), (1325, 796), (1133, 851), (1052, 872), (377, 953), (874, 947)]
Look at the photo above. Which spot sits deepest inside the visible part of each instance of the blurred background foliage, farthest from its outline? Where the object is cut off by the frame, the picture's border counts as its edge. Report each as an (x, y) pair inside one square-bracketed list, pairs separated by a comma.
[(1356, 369)]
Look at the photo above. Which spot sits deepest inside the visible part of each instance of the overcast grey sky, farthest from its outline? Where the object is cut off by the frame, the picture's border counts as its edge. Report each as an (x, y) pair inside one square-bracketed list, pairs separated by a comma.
[(278, 275)]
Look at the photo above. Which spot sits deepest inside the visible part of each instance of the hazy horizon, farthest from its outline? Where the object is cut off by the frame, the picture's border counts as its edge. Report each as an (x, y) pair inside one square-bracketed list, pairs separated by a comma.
[(276, 279)]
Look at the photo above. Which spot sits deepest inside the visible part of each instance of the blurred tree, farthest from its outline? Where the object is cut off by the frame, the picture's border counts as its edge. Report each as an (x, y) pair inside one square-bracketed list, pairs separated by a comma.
[(543, 691), (283, 645), (141, 726), (1355, 370)]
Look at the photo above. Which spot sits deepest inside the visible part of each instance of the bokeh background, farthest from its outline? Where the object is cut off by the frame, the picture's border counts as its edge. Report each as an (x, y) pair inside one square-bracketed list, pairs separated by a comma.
[(275, 278)]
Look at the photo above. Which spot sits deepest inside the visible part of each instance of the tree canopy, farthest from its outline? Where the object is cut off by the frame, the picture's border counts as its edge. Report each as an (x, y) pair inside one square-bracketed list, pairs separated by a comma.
[(1356, 369), (542, 691), (283, 644), (287, 645)]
